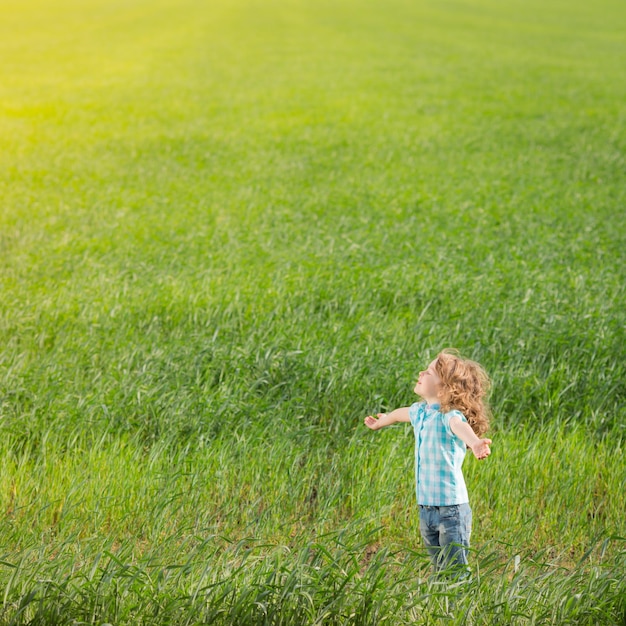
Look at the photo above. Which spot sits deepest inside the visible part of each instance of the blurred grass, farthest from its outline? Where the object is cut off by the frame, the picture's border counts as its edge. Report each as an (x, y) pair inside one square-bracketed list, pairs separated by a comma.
[(228, 231)]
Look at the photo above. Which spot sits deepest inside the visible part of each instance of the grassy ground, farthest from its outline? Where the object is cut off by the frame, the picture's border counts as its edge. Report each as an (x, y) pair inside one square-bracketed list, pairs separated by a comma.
[(230, 230)]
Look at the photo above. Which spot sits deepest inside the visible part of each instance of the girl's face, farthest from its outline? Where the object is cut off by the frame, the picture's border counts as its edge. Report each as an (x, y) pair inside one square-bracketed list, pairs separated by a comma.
[(428, 384)]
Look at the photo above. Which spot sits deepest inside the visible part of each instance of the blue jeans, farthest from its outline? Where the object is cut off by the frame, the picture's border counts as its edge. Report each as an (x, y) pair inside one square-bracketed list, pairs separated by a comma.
[(446, 532)]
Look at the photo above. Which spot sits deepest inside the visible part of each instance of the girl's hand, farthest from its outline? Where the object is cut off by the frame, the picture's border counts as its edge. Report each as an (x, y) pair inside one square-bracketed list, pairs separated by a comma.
[(481, 448), (372, 422)]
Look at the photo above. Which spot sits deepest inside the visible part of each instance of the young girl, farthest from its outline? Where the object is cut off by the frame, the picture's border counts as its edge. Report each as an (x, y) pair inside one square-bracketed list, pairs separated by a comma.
[(452, 417)]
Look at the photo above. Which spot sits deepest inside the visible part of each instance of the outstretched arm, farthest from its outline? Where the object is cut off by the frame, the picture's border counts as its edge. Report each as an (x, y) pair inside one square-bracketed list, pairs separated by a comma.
[(480, 447), (386, 419)]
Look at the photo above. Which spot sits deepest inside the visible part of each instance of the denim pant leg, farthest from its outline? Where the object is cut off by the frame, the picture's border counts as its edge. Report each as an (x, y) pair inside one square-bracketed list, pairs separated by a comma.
[(429, 529), (446, 532)]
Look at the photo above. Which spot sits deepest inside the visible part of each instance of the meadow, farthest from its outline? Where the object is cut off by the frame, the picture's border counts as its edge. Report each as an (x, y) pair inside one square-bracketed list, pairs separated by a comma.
[(230, 230)]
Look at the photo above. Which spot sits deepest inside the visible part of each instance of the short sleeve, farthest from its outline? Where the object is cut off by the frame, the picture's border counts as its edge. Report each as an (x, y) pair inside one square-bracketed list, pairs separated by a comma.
[(414, 412), (448, 416)]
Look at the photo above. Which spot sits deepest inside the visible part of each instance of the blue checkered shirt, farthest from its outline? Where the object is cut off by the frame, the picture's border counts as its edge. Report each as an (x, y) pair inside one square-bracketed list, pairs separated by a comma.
[(439, 455)]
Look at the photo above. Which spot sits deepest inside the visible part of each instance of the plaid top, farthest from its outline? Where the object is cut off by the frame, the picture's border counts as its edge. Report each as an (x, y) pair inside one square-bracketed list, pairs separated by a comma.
[(439, 455)]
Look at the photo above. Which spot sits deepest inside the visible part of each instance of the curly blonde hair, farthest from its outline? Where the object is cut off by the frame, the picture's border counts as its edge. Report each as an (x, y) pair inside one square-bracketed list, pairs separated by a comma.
[(464, 387)]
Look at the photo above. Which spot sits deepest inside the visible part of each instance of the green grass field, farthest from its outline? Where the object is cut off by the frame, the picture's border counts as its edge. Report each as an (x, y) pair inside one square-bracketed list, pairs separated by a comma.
[(230, 230)]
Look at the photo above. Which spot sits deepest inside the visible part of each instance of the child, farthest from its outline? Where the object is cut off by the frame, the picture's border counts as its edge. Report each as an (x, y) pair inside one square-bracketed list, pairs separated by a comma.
[(452, 416)]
